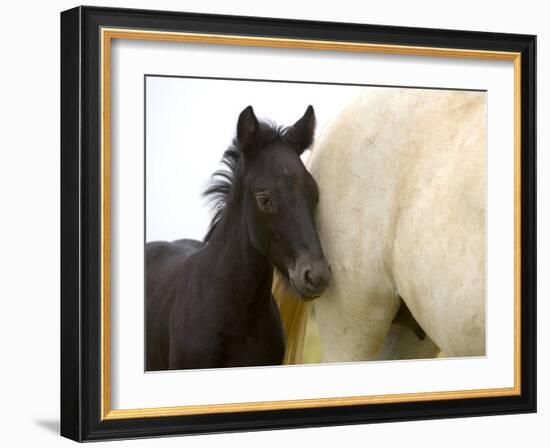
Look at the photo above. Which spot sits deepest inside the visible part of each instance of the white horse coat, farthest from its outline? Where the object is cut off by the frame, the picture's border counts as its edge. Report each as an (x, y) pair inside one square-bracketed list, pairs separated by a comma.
[(402, 180)]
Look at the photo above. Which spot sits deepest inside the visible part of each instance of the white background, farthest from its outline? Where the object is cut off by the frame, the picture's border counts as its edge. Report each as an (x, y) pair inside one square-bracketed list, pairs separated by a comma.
[(29, 179)]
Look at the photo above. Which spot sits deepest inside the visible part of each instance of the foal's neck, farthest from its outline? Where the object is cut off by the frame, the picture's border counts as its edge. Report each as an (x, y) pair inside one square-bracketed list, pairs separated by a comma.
[(241, 268)]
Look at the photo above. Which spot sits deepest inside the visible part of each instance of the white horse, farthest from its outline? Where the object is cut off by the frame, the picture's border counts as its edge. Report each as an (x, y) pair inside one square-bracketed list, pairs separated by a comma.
[(401, 217)]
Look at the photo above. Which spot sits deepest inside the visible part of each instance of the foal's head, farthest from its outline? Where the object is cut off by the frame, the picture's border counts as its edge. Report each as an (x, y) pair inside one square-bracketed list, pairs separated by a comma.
[(278, 199)]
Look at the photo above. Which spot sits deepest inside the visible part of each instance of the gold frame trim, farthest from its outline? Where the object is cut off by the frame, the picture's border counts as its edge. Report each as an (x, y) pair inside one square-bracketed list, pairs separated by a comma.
[(107, 35)]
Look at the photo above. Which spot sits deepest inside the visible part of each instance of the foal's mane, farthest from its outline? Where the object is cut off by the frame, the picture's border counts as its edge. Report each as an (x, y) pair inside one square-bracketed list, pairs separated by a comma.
[(226, 182)]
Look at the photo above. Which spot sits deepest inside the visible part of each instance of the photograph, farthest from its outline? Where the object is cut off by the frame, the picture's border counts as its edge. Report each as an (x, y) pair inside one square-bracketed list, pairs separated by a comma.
[(294, 222)]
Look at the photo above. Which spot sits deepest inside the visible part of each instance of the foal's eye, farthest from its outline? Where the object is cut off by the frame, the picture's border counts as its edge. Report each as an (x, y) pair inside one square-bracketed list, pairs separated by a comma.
[(265, 203)]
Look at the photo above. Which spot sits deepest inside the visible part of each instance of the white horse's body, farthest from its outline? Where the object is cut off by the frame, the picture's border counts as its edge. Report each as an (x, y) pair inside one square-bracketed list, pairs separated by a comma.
[(402, 182)]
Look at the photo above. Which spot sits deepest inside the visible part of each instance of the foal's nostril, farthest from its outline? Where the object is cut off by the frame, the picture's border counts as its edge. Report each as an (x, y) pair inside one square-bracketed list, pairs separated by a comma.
[(307, 277), (313, 279)]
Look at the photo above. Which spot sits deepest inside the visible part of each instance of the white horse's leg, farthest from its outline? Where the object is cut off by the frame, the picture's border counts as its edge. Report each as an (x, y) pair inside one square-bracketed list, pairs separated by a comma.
[(354, 226), (353, 323)]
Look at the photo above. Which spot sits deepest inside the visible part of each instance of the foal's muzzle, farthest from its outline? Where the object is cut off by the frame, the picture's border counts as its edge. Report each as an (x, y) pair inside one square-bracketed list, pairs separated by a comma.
[(310, 278)]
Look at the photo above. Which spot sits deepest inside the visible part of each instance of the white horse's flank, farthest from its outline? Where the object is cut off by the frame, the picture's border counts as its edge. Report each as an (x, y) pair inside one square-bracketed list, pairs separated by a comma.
[(402, 182)]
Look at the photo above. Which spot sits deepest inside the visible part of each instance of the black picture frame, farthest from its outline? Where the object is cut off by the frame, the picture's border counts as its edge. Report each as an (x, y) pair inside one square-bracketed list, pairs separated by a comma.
[(81, 223)]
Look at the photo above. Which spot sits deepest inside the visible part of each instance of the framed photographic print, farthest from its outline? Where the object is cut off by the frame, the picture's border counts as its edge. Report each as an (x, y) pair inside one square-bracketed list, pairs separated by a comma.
[(272, 223)]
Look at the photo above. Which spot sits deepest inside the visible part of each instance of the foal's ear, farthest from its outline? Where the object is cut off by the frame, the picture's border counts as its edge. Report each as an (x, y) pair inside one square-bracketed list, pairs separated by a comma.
[(247, 128), (301, 133)]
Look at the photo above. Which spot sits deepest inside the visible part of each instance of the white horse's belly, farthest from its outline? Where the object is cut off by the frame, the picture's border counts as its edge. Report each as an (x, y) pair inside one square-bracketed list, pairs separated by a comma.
[(402, 212), (439, 246)]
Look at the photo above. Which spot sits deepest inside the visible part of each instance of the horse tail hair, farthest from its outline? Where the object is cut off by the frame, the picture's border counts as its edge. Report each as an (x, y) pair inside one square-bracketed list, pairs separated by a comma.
[(294, 315)]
